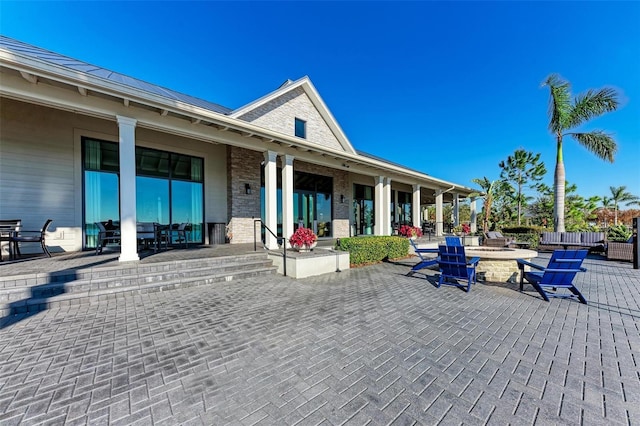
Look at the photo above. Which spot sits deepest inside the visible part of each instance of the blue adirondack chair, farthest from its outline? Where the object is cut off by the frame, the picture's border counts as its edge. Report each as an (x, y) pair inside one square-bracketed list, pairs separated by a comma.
[(454, 267), (558, 274), (453, 241), (424, 262)]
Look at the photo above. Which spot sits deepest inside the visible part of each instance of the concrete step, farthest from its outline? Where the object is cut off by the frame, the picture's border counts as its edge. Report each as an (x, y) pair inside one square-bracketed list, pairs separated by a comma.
[(123, 270), (11, 294), (100, 284)]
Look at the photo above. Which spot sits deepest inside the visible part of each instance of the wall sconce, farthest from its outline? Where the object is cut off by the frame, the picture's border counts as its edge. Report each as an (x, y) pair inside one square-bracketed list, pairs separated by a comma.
[(247, 189), (341, 198)]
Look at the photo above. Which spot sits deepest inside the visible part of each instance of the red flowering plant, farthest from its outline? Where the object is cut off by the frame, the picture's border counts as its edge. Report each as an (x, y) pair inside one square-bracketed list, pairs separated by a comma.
[(466, 229), (303, 237), (410, 231)]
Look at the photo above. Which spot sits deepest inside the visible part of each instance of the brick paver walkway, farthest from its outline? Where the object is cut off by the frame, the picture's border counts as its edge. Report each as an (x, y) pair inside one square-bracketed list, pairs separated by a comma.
[(365, 346)]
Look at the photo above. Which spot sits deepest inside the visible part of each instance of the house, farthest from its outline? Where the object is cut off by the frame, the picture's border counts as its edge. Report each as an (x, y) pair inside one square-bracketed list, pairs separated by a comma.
[(81, 144)]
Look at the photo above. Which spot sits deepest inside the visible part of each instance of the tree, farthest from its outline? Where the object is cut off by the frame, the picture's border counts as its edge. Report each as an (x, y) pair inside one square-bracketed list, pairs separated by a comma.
[(619, 195), (522, 169), (564, 115), (490, 190)]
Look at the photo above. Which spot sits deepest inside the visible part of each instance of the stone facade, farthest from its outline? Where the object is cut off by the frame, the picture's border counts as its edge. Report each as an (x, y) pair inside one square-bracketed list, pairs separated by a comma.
[(244, 168), (280, 113)]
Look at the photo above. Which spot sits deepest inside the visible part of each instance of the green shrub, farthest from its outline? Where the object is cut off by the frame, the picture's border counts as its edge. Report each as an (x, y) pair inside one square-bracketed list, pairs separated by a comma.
[(367, 250), (618, 233), (532, 238)]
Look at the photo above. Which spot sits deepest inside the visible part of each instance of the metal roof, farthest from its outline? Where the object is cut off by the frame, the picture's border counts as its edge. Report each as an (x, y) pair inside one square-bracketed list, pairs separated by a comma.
[(79, 66)]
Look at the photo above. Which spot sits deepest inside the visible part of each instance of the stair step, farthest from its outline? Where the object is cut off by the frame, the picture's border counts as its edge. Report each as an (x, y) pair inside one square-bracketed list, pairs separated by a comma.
[(37, 291), (29, 280), (99, 294), (52, 289)]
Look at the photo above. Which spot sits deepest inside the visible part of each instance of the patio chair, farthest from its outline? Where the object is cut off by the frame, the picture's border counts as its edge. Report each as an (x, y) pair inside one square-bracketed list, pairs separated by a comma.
[(454, 267), (424, 262), (106, 236), (496, 239), (559, 273), (453, 241), (39, 238)]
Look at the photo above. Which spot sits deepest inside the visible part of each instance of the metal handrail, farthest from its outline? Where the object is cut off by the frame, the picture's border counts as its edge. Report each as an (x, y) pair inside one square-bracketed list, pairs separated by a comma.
[(281, 241)]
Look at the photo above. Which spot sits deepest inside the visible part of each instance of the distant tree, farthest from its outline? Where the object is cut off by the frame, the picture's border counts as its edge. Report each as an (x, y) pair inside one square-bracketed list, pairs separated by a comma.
[(619, 195), (522, 169), (564, 115), (488, 192)]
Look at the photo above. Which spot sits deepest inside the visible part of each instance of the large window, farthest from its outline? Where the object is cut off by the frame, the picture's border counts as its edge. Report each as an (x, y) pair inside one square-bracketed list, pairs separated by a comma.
[(363, 210), (169, 188), (312, 202)]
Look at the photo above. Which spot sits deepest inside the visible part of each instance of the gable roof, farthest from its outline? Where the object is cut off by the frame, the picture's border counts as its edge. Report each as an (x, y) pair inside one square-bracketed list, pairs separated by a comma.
[(41, 54), (305, 84)]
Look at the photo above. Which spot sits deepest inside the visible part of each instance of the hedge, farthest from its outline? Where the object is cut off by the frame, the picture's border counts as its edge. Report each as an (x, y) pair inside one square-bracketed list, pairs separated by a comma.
[(375, 249)]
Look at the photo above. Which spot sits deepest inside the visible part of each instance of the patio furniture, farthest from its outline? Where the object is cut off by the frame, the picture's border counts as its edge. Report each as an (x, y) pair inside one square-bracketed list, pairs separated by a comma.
[(106, 236), (9, 228), (424, 262), (152, 233), (496, 239), (572, 239), (181, 233), (18, 237), (453, 241), (558, 274), (620, 251), (454, 267)]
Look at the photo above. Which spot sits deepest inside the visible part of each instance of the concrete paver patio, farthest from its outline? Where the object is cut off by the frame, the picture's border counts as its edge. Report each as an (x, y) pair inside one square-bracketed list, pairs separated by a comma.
[(365, 346)]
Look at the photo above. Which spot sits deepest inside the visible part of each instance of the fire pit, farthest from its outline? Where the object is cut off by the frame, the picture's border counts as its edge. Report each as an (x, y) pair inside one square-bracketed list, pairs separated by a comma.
[(499, 264)]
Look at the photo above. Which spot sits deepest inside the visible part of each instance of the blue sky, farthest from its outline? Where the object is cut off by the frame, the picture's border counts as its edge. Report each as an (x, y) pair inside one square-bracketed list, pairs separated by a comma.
[(447, 88)]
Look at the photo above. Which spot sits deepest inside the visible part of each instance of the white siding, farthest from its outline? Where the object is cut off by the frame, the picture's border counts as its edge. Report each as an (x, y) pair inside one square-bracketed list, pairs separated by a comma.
[(41, 175)]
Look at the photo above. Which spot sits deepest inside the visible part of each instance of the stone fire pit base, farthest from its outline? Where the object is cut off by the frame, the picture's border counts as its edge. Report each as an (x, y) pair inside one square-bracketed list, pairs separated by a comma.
[(499, 264)]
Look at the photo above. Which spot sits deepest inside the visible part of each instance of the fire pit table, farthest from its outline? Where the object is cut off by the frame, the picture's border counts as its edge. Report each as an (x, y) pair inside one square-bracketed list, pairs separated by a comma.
[(498, 264)]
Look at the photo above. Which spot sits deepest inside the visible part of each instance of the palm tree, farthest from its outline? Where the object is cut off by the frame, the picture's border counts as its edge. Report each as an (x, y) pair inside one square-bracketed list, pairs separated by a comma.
[(619, 194), (566, 114), (488, 192), (522, 168)]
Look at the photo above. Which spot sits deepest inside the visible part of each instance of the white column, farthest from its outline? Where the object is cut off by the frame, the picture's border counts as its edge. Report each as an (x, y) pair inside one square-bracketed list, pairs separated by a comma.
[(439, 224), (415, 207), (474, 215), (127, 147), (379, 203), (456, 210), (287, 197), (386, 226), (270, 199)]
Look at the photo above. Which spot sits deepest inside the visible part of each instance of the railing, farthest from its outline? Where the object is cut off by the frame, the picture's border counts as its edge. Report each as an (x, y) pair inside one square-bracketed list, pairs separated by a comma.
[(281, 242)]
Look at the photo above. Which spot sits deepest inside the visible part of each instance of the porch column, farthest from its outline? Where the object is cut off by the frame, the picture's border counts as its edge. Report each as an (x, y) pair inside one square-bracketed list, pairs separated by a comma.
[(270, 199), (456, 210), (378, 203), (474, 214), (439, 224), (127, 148), (386, 226), (287, 197), (415, 207)]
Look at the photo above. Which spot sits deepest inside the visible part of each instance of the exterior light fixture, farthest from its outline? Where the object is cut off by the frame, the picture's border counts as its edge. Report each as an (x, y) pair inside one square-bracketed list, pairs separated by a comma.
[(341, 198), (247, 189)]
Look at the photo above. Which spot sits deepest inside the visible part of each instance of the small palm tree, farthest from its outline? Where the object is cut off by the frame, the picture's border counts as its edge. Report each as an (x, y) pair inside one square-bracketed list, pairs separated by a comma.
[(619, 195), (488, 193), (566, 114)]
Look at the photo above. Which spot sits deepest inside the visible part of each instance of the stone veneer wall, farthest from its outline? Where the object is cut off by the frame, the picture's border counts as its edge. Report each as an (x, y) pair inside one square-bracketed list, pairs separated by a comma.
[(280, 113), (244, 167)]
